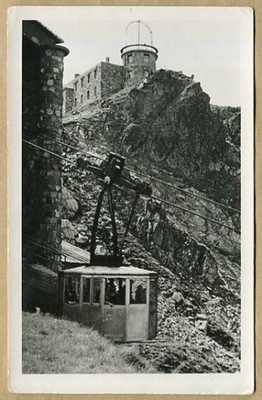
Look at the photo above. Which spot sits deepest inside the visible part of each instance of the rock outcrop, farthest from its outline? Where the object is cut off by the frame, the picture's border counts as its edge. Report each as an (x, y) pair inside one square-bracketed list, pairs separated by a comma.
[(69, 204)]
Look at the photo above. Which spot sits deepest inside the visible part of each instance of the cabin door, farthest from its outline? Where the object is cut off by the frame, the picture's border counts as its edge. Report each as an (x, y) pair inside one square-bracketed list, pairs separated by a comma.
[(137, 309), (91, 305), (114, 309)]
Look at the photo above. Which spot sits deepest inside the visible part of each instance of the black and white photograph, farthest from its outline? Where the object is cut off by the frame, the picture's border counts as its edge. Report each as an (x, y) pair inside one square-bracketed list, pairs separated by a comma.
[(131, 179)]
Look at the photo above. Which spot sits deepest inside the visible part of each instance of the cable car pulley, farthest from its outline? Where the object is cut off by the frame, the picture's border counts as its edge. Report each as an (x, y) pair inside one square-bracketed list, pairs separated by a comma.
[(110, 175)]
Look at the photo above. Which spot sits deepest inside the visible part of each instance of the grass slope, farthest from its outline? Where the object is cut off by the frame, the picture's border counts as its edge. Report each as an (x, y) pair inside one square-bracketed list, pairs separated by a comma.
[(57, 346)]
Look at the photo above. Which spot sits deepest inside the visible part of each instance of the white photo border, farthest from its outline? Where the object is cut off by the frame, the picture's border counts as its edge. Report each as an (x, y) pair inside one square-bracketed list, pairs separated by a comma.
[(237, 383)]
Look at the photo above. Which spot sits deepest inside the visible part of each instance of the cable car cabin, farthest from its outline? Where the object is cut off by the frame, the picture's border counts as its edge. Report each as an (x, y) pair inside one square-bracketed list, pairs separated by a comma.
[(120, 303)]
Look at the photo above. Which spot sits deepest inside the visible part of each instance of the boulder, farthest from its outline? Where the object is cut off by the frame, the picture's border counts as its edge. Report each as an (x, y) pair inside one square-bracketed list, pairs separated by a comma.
[(69, 204), (68, 231)]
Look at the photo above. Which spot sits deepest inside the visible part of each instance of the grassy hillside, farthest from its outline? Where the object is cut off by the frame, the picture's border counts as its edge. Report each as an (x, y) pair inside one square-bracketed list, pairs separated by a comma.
[(57, 346)]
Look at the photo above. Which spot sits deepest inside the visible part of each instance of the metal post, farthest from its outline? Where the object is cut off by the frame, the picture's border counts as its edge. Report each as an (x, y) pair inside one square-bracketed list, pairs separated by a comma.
[(81, 293)]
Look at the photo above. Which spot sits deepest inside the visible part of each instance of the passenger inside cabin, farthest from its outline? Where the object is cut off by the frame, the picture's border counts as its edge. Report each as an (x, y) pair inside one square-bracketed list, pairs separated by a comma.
[(137, 292), (140, 296), (115, 291)]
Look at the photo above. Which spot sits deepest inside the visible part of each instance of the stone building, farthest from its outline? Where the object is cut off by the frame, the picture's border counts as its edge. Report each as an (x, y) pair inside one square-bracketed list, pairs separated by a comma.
[(68, 97), (104, 79), (42, 74), (98, 82)]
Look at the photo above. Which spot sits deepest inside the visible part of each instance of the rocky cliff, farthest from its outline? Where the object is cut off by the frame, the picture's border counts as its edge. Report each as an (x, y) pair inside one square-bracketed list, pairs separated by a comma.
[(167, 129)]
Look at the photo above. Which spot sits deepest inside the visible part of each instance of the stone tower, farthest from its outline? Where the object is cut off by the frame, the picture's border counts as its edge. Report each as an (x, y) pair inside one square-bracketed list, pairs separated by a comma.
[(42, 74), (139, 59)]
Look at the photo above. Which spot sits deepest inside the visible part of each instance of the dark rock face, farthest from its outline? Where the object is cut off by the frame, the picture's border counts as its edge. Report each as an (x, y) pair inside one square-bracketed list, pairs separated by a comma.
[(169, 123), (69, 204), (231, 118), (179, 131)]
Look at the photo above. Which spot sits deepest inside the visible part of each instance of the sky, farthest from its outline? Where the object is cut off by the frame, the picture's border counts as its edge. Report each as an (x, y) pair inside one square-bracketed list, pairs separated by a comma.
[(206, 42)]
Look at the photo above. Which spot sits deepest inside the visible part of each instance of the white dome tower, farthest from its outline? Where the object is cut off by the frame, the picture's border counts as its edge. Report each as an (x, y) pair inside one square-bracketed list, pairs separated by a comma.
[(139, 59)]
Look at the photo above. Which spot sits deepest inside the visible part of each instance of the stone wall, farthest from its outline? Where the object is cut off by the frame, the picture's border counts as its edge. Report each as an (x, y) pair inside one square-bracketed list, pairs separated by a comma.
[(138, 65), (87, 87), (112, 79), (30, 158), (42, 122), (68, 99), (100, 81), (31, 90)]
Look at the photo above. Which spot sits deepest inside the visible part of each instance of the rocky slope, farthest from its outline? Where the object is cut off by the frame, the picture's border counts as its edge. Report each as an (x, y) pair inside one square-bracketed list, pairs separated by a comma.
[(166, 128)]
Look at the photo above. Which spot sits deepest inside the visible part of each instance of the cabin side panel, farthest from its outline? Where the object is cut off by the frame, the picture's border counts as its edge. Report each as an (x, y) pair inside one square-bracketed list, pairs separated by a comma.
[(152, 324), (114, 322)]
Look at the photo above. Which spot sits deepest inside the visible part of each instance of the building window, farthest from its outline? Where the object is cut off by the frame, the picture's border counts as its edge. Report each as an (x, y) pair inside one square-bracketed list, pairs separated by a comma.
[(88, 78), (75, 102), (146, 57), (95, 73), (76, 86), (95, 91), (129, 58), (81, 98), (88, 95), (82, 81)]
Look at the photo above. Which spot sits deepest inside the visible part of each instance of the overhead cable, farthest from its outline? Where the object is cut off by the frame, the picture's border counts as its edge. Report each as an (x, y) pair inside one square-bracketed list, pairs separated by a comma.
[(153, 197), (52, 249), (151, 178), (76, 148), (194, 213), (45, 150), (182, 190)]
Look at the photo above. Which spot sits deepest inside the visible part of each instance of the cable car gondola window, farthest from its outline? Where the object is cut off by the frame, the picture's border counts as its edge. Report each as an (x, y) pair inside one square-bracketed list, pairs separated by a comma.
[(137, 291), (115, 291), (86, 290), (96, 290)]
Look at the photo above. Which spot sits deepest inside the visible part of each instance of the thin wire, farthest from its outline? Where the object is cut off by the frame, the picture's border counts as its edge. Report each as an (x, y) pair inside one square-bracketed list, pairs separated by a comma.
[(182, 190), (153, 197), (151, 177), (45, 150), (76, 148), (45, 247), (48, 247), (194, 213), (45, 258), (53, 154)]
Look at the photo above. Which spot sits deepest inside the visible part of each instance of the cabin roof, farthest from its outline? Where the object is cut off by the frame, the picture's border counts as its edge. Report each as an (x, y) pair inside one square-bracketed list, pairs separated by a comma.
[(76, 255), (106, 271)]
